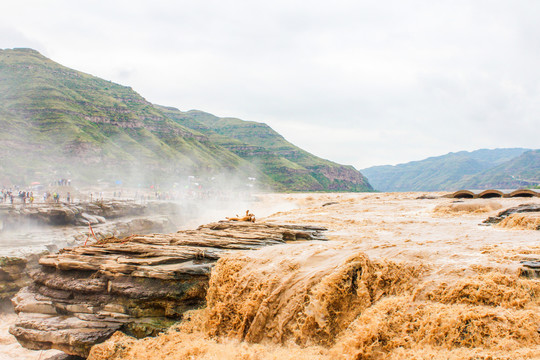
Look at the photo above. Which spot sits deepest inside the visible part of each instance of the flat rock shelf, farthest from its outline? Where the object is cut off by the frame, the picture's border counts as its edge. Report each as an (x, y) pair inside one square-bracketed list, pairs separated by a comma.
[(140, 284)]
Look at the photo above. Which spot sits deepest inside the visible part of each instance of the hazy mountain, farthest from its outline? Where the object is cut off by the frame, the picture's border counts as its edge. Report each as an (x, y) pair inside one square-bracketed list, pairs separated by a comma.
[(55, 120), (282, 161), (521, 171), (58, 122), (446, 172)]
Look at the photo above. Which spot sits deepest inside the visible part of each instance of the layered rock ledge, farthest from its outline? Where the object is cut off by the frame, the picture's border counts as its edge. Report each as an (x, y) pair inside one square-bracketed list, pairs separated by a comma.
[(140, 284), (27, 232), (14, 274), (68, 214)]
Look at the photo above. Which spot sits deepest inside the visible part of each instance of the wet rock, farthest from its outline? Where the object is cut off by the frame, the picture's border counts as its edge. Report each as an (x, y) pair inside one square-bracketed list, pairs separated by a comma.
[(13, 274), (140, 285), (513, 210), (89, 219), (64, 357), (68, 214), (530, 269), (330, 203), (126, 227), (426, 197)]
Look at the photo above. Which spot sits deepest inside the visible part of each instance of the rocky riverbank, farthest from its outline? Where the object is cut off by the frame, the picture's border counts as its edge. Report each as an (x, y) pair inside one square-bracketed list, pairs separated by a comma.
[(14, 274), (31, 231), (140, 284), (525, 216), (82, 213)]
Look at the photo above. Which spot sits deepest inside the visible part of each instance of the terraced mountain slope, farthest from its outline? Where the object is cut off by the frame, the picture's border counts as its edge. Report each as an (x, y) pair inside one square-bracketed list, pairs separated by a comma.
[(282, 161), (57, 122)]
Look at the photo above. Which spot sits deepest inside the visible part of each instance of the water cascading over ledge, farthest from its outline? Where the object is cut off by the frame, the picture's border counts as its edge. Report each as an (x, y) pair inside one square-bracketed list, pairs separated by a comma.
[(140, 285)]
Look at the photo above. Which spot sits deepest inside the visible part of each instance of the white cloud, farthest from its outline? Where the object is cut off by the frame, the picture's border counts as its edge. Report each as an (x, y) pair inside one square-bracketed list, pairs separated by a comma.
[(357, 82)]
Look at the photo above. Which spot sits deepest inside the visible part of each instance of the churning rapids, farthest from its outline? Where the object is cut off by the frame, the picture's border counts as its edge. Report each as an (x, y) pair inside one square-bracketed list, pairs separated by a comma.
[(403, 276)]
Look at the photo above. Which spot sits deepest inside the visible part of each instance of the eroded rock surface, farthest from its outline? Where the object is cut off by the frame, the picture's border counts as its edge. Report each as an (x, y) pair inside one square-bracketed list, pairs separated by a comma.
[(140, 284), (14, 274), (530, 269), (125, 227), (523, 208), (68, 214)]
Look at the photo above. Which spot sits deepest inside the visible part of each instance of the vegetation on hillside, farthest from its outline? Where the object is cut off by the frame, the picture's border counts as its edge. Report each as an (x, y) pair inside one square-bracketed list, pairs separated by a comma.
[(477, 169), (522, 171), (71, 122), (57, 122), (283, 162)]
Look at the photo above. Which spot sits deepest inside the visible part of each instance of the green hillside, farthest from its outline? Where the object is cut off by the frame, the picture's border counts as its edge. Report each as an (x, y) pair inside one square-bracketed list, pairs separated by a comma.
[(56, 122), (441, 173), (283, 162), (522, 171)]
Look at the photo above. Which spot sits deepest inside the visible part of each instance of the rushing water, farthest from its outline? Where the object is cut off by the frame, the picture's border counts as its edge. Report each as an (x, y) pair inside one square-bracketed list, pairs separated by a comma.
[(400, 278), (35, 239)]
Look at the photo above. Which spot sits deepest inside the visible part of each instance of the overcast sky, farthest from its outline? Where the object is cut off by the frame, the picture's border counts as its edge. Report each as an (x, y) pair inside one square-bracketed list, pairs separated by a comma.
[(357, 82)]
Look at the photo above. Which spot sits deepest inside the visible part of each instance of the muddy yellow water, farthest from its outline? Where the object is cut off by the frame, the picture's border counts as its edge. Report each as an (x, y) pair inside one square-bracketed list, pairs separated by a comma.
[(400, 278)]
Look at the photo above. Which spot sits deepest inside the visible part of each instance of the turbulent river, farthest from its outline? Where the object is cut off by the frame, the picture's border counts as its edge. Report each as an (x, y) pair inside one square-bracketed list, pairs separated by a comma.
[(403, 276)]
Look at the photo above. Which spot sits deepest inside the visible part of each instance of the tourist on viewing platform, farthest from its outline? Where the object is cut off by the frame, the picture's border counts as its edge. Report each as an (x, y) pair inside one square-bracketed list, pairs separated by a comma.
[(22, 196)]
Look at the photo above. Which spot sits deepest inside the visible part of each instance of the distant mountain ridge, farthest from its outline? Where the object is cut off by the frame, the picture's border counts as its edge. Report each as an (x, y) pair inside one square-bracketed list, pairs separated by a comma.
[(480, 169), (521, 171), (55, 121)]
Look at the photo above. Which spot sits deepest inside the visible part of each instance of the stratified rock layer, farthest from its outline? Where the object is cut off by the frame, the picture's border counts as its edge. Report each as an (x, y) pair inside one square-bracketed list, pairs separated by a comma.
[(14, 274), (140, 284), (68, 214)]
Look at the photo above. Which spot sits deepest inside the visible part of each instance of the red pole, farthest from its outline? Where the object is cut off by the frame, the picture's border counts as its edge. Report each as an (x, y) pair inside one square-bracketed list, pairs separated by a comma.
[(92, 231)]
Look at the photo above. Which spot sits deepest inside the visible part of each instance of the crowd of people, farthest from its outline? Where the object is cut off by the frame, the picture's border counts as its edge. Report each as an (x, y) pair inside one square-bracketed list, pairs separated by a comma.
[(8, 196), (14, 194), (57, 192)]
